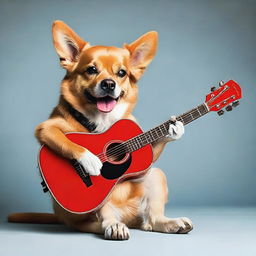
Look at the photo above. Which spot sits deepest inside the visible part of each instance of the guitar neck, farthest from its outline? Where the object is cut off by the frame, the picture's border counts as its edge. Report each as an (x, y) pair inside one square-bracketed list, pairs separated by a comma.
[(161, 131), (193, 114)]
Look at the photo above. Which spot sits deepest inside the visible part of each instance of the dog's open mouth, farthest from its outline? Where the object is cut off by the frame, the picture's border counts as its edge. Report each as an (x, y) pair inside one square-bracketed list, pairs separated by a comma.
[(104, 104)]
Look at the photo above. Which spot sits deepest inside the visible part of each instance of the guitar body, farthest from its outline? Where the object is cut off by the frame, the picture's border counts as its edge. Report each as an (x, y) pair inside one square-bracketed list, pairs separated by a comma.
[(67, 187)]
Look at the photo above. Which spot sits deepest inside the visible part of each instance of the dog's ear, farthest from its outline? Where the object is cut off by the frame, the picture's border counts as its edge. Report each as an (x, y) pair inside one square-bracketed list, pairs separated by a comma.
[(142, 51), (67, 44)]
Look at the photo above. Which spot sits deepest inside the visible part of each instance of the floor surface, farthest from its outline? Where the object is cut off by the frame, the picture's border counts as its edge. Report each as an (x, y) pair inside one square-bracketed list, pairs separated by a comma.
[(217, 231)]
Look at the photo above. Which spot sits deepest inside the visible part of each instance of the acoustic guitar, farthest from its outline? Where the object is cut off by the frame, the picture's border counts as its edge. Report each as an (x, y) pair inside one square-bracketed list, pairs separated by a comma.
[(125, 151)]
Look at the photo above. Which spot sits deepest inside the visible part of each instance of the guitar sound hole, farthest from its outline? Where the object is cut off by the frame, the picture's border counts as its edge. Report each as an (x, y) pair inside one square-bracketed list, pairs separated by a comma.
[(116, 153)]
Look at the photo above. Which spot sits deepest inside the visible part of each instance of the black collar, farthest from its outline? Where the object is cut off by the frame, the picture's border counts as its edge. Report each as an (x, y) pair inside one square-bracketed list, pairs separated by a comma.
[(83, 120)]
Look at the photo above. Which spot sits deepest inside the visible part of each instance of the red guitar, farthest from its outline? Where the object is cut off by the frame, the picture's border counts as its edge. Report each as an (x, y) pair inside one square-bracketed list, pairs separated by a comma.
[(125, 151)]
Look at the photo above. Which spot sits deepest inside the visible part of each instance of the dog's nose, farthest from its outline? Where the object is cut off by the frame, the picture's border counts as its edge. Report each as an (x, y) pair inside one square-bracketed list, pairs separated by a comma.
[(108, 85)]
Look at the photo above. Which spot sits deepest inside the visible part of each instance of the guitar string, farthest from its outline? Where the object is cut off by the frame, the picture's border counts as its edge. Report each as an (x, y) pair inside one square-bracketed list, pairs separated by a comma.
[(118, 150)]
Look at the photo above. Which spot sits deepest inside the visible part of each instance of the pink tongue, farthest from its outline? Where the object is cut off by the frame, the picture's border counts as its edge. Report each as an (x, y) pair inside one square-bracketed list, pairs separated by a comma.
[(106, 105)]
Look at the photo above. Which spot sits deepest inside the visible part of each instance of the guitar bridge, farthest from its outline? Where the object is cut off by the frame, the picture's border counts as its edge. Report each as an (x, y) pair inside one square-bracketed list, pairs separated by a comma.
[(82, 172)]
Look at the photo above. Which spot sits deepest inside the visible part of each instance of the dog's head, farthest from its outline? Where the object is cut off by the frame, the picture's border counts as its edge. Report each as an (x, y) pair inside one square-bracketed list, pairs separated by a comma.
[(100, 77)]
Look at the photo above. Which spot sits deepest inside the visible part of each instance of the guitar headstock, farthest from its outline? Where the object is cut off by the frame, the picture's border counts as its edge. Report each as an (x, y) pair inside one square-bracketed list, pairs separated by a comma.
[(227, 95)]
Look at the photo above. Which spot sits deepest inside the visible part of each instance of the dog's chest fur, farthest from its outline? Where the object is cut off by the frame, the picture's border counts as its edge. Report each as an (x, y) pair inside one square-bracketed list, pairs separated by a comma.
[(103, 121)]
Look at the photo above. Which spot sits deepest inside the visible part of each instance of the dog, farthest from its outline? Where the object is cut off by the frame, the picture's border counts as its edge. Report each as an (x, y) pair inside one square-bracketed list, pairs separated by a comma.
[(101, 84)]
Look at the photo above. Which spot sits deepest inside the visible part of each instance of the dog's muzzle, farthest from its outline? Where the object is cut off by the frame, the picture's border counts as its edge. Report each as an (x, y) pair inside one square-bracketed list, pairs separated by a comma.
[(105, 95)]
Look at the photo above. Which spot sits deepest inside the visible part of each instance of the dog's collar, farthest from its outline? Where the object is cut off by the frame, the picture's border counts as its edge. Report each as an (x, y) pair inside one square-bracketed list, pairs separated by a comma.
[(83, 120)]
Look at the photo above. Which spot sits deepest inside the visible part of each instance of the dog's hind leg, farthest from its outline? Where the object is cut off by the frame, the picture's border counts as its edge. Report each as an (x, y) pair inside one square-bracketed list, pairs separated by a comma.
[(106, 221), (156, 194), (108, 224), (112, 226)]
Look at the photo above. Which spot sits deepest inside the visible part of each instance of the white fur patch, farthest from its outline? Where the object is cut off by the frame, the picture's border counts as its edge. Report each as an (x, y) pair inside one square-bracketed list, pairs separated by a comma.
[(175, 130), (91, 163), (103, 121), (117, 231)]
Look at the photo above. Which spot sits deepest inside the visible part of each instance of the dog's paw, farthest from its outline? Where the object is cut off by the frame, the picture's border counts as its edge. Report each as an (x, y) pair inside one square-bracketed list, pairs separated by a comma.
[(117, 231), (180, 225), (147, 227), (91, 163), (175, 130)]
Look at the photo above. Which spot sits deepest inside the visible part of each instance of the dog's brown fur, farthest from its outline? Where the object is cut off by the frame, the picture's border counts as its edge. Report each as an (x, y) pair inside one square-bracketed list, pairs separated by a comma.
[(135, 204)]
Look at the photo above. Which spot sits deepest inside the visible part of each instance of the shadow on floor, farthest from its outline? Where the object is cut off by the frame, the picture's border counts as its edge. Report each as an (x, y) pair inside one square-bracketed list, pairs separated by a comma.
[(43, 228)]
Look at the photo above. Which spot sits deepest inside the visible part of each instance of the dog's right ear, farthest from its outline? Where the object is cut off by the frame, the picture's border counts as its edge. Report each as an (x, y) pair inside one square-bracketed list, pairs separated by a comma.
[(142, 51), (67, 44)]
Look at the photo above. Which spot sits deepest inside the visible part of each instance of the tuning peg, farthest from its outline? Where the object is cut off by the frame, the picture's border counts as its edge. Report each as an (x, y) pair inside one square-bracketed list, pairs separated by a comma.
[(229, 108), (235, 103), (213, 89), (220, 112), (221, 83)]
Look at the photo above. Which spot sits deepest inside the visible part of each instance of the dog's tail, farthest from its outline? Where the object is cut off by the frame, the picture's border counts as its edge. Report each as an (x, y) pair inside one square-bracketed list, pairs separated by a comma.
[(33, 217)]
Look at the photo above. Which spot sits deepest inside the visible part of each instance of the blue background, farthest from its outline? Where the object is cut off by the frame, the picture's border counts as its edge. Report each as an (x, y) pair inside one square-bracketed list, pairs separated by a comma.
[(200, 43)]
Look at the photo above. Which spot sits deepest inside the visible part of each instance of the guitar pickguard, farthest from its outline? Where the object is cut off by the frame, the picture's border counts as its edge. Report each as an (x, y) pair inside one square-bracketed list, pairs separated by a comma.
[(112, 171)]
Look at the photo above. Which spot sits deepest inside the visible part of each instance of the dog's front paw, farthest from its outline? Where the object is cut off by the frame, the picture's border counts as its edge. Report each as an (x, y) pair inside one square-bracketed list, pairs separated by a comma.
[(117, 231), (91, 163), (176, 130), (178, 225)]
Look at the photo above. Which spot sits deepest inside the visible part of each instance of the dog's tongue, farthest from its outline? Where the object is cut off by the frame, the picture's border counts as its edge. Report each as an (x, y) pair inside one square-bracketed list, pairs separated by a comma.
[(106, 104)]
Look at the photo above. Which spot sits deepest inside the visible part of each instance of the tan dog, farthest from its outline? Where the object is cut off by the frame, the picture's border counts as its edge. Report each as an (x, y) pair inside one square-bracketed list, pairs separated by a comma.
[(100, 83)]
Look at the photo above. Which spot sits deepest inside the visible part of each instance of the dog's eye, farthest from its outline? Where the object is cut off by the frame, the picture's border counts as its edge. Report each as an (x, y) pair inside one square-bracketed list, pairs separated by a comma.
[(121, 73), (92, 70)]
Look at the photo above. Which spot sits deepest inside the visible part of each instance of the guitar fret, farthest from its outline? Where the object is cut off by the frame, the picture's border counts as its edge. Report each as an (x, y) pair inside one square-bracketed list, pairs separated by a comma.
[(137, 144), (143, 141), (190, 118), (181, 119), (194, 114), (156, 134), (161, 130), (140, 140), (165, 130), (199, 111), (133, 146), (148, 141), (151, 133), (166, 125)]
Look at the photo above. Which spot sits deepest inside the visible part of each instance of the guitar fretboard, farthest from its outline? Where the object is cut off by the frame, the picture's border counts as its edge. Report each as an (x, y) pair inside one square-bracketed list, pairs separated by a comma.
[(161, 131)]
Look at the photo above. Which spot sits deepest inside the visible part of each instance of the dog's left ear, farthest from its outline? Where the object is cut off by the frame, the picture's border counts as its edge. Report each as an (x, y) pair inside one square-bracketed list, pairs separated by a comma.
[(67, 43), (142, 51)]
